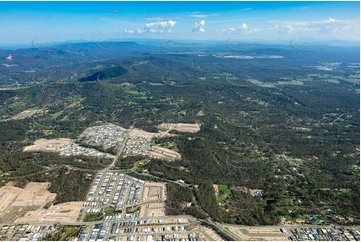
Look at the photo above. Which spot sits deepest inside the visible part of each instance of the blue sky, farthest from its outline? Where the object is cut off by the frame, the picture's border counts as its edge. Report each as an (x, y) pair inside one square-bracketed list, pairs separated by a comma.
[(22, 22)]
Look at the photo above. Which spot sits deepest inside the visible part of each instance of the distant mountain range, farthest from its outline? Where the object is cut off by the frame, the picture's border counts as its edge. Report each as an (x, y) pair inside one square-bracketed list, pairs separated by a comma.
[(159, 42)]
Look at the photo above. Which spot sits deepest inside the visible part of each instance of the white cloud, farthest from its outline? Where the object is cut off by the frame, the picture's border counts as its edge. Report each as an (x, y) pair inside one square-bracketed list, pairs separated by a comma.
[(327, 26), (242, 28), (153, 27), (330, 27), (128, 31), (133, 31), (199, 27), (160, 27), (199, 15)]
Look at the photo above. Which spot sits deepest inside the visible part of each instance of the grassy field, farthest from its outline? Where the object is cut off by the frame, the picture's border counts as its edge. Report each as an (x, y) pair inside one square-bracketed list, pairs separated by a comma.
[(223, 193)]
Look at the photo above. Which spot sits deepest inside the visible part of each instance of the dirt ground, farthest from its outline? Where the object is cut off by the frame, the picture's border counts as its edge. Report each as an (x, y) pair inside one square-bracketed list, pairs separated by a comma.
[(164, 153), (64, 212), (154, 191), (180, 127), (215, 187), (56, 145), (141, 133), (258, 233), (209, 234), (14, 201), (27, 204), (152, 210), (154, 195)]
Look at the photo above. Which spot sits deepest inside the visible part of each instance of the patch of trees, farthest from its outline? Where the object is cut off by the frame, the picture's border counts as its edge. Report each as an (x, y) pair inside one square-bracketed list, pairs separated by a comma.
[(128, 161), (90, 217), (69, 185), (208, 200)]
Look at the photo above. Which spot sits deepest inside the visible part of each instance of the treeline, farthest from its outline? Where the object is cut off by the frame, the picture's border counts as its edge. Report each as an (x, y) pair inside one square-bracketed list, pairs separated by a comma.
[(128, 162)]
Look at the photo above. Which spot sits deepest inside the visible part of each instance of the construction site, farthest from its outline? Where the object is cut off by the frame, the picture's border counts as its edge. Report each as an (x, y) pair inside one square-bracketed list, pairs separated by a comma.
[(33, 203)]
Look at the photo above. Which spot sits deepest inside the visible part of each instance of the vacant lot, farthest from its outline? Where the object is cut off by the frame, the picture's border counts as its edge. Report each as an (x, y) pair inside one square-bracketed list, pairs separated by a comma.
[(154, 195), (54, 145), (180, 127), (154, 191), (64, 212), (258, 233), (152, 210), (164, 153), (142, 133), (29, 205), (15, 201), (209, 234)]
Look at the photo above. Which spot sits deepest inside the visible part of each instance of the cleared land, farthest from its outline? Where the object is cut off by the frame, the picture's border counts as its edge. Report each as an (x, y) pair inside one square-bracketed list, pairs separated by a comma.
[(258, 233), (164, 153), (65, 147), (154, 191), (208, 234), (140, 142), (222, 192), (64, 212), (253, 192), (25, 114), (14, 201), (152, 210), (28, 205), (154, 196), (180, 127)]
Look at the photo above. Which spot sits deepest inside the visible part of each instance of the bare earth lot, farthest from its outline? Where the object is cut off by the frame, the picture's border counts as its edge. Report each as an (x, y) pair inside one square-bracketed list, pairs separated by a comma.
[(258, 233), (180, 127), (154, 196), (64, 212), (15, 200), (27, 204)]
